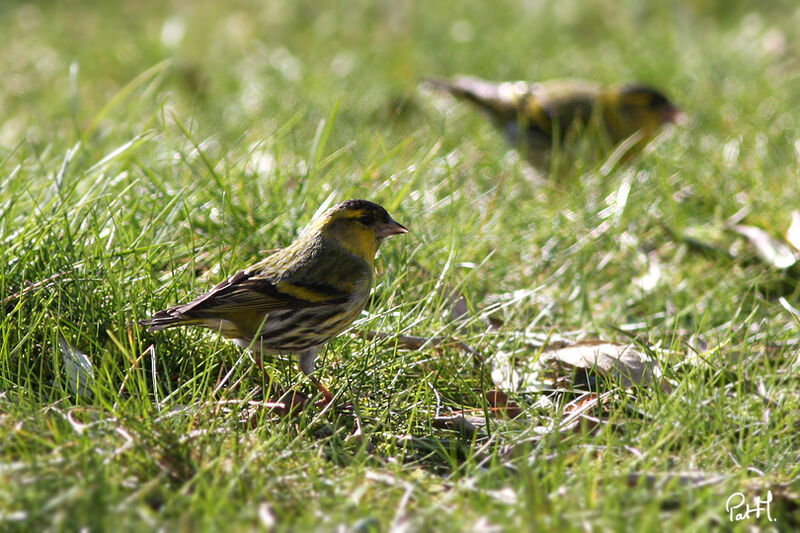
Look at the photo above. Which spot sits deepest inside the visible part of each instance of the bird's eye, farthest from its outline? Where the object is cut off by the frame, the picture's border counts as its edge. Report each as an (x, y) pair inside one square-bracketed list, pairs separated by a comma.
[(366, 220), (659, 101)]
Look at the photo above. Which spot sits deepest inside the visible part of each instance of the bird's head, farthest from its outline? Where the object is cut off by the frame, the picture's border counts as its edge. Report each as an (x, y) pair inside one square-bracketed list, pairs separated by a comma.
[(647, 108), (359, 226)]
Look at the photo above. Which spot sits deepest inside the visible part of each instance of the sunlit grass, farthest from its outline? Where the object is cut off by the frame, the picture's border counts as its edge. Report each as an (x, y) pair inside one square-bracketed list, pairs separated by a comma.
[(149, 150)]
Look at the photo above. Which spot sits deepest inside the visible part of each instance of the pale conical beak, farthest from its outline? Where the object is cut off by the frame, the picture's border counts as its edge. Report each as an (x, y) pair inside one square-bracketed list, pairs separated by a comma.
[(674, 115), (390, 228)]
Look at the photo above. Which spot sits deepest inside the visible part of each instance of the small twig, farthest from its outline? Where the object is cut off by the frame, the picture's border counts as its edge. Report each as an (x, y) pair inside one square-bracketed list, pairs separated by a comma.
[(580, 406), (134, 364), (228, 375), (358, 432), (32, 287), (154, 374)]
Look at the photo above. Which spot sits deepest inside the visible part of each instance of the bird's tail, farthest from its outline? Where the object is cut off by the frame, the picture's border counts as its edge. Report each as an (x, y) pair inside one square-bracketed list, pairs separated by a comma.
[(168, 319), (498, 99)]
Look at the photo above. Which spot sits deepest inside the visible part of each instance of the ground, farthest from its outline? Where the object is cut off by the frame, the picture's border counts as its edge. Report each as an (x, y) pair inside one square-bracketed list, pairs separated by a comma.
[(149, 149)]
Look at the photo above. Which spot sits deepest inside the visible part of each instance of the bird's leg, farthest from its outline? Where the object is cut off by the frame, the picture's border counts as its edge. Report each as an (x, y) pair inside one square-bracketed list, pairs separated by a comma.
[(327, 396), (278, 399), (307, 366)]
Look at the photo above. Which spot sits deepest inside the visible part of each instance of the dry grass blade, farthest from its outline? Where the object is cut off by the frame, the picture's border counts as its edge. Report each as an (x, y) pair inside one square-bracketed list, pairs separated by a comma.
[(33, 287), (792, 234), (78, 367)]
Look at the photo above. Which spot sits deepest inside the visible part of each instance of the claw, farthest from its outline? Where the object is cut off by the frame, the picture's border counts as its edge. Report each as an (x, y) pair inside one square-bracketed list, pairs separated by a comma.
[(327, 397)]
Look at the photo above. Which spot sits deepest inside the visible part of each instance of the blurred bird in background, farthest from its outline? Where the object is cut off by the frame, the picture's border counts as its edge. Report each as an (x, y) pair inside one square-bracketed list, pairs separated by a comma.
[(536, 118)]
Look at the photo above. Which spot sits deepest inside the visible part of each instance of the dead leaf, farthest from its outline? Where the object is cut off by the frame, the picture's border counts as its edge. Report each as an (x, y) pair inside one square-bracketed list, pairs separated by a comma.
[(769, 249), (583, 403), (498, 400), (459, 302), (621, 363), (467, 426), (80, 373), (577, 417)]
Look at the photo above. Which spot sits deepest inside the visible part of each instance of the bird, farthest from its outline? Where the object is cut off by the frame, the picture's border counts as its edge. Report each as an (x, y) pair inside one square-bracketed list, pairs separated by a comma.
[(300, 297), (536, 117)]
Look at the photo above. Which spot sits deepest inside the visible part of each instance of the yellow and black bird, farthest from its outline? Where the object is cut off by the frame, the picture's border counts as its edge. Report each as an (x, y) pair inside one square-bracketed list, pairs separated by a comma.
[(536, 117), (300, 297)]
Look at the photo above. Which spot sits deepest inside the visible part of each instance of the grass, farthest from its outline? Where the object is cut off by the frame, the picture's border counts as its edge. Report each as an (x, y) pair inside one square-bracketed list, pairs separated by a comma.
[(147, 150)]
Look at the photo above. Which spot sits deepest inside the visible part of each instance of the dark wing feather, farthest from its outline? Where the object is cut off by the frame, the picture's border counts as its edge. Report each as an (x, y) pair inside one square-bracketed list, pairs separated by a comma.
[(249, 292)]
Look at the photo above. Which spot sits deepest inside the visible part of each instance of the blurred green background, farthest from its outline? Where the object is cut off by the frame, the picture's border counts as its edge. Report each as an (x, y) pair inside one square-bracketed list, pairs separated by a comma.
[(149, 148), (249, 65)]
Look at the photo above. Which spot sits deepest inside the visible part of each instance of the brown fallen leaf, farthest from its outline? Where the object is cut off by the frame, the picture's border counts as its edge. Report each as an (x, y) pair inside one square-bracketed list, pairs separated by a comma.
[(583, 403), (501, 404), (579, 410), (622, 363), (577, 417), (457, 300)]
